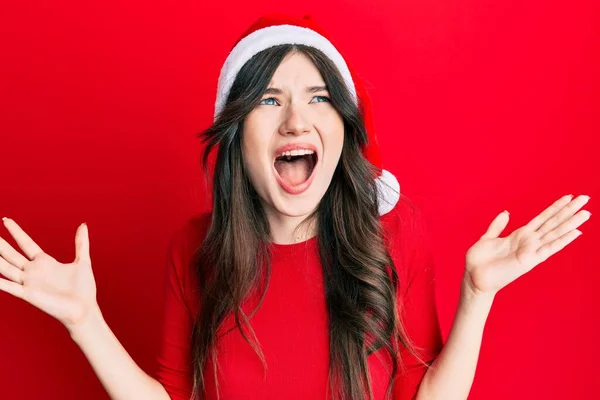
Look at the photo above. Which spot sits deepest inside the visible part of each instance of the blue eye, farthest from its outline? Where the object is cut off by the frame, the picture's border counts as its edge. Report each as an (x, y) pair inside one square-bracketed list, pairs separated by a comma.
[(268, 98), (322, 97), (275, 100)]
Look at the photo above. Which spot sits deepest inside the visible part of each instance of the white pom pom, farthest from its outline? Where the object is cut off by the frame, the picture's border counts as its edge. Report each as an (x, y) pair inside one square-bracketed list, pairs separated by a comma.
[(388, 192)]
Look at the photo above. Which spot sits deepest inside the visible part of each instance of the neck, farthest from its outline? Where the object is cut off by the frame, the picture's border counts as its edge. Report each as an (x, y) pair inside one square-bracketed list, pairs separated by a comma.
[(287, 229)]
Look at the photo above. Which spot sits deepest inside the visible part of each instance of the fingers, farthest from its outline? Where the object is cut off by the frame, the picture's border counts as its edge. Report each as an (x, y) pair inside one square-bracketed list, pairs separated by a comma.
[(82, 244), (564, 214), (548, 213), (497, 226), (572, 223), (555, 246), (538, 221), (13, 288), (29, 247), (10, 271), (8, 253)]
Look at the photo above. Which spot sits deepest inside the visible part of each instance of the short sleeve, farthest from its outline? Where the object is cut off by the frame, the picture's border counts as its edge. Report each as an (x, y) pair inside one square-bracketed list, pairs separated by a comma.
[(416, 297), (175, 370)]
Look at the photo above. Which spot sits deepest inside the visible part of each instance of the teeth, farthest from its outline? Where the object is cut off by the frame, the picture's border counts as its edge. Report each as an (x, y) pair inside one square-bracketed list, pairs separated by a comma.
[(300, 152)]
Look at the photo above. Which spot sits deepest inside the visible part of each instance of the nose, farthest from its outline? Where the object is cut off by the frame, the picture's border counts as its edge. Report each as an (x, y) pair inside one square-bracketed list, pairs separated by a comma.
[(295, 121)]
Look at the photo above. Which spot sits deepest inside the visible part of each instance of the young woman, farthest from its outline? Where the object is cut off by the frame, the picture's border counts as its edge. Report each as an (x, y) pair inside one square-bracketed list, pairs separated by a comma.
[(311, 278)]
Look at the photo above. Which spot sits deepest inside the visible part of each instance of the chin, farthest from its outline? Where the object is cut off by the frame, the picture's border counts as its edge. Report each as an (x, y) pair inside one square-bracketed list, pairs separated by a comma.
[(295, 207)]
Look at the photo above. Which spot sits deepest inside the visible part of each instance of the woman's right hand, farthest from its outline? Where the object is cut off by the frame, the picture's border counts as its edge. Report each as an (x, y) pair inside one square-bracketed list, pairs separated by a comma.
[(65, 291)]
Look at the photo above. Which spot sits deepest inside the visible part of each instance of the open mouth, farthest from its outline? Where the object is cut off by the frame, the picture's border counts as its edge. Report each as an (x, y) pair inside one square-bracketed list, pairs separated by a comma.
[(295, 173)]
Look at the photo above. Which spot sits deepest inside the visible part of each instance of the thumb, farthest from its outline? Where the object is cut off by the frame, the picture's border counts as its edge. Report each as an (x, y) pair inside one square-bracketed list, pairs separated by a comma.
[(82, 244), (497, 226)]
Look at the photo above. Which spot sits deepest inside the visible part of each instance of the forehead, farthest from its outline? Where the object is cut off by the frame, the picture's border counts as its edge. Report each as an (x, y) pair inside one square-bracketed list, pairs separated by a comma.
[(296, 68)]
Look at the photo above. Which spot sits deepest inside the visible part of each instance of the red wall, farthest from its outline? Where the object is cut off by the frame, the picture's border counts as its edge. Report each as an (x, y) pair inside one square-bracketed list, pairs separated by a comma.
[(480, 106)]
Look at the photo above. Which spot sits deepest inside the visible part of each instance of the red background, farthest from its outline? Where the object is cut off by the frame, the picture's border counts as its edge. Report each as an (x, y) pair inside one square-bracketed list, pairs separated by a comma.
[(480, 106)]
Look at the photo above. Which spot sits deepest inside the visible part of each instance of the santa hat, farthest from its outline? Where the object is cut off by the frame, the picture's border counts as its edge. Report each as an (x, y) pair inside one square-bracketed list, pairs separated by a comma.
[(275, 29)]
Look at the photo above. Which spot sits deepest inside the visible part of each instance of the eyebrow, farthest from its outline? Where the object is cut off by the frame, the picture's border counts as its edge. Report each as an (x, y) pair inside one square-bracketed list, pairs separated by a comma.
[(309, 89)]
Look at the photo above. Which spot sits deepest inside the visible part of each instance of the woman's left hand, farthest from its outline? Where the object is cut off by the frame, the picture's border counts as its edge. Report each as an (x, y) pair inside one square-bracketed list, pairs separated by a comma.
[(494, 262)]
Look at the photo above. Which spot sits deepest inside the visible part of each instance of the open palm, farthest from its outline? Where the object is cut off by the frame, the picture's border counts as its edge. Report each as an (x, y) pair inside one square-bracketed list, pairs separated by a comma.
[(494, 262), (65, 291)]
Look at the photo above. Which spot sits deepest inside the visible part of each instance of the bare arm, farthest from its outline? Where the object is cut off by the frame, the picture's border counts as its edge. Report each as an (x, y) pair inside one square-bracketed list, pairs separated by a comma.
[(122, 378), (67, 292), (451, 374), (492, 263)]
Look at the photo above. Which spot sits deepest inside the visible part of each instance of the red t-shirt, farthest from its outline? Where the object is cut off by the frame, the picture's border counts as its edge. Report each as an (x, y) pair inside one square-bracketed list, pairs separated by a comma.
[(292, 323)]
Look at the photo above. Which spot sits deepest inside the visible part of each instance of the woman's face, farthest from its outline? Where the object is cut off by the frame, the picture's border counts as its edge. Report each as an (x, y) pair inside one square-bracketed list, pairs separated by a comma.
[(293, 111)]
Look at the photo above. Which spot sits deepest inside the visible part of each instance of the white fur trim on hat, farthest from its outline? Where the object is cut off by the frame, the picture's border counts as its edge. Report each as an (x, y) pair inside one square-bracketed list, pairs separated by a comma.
[(388, 191), (272, 36)]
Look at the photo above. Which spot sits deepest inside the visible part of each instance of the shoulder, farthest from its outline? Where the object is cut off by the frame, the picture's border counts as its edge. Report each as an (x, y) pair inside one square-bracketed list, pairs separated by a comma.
[(407, 240), (405, 210), (189, 235), (403, 224), (183, 245)]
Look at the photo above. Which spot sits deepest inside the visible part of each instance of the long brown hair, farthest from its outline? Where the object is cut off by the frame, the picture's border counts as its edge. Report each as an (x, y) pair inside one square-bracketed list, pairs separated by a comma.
[(359, 275)]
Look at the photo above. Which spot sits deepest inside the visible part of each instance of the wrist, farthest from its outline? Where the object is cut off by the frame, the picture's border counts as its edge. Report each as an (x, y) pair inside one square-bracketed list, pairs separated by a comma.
[(473, 298), (87, 326)]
